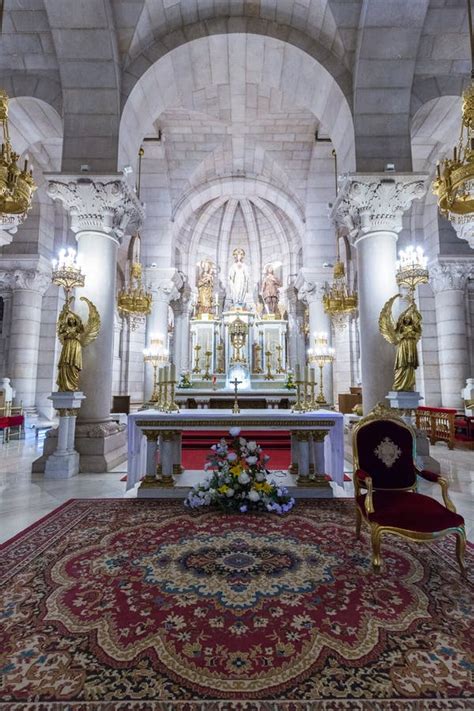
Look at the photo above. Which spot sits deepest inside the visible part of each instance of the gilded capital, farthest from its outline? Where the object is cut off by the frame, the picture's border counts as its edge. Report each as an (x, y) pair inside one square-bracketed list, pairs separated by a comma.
[(102, 203), (374, 202)]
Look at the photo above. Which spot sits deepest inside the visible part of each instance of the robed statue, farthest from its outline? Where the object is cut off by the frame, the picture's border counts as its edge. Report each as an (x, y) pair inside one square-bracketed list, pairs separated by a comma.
[(404, 334), (74, 336), (238, 278), (270, 286), (205, 286)]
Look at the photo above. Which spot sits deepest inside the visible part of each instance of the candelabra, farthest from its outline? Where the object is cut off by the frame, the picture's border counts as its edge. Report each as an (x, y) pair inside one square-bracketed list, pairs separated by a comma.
[(279, 367), (67, 271), (299, 405), (133, 300), (269, 375), (321, 355), (157, 355), (197, 366), (207, 365), (411, 269)]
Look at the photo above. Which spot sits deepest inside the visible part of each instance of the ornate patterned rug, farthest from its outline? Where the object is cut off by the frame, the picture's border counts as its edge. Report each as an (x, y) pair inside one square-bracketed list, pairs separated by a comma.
[(140, 605)]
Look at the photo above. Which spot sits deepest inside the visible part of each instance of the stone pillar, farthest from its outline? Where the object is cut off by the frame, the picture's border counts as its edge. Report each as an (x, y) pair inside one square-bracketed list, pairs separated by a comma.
[(28, 287), (64, 462), (182, 315), (164, 283), (448, 281), (370, 207), (100, 208), (310, 287)]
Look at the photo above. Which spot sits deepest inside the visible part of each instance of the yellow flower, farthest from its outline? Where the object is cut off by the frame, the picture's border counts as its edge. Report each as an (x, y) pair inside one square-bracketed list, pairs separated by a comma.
[(222, 489), (236, 470)]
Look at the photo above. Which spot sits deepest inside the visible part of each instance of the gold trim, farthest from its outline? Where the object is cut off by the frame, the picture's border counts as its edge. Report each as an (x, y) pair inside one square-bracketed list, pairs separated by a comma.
[(319, 435), (181, 424)]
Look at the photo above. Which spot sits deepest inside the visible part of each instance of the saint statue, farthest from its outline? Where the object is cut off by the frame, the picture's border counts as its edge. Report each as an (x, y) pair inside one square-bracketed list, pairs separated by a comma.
[(205, 287), (238, 278), (270, 286), (74, 336), (405, 335)]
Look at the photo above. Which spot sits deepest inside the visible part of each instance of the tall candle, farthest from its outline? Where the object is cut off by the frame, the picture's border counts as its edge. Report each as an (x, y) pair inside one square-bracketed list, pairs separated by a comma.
[(160, 375), (165, 373), (297, 372), (172, 372)]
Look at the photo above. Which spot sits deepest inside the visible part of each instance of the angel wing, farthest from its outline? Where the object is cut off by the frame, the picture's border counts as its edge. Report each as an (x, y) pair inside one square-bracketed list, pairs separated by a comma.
[(386, 323), (91, 329)]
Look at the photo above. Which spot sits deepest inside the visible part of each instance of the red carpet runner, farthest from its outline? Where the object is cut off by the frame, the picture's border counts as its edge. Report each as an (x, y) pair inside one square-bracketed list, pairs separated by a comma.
[(141, 606), (196, 447)]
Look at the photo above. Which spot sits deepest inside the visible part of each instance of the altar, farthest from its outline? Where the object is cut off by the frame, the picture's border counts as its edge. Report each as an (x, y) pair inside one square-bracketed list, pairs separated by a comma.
[(154, 442)]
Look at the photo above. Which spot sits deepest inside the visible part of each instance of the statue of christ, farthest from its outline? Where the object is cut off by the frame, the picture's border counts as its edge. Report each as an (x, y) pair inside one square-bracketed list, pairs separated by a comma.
[(238, 278)]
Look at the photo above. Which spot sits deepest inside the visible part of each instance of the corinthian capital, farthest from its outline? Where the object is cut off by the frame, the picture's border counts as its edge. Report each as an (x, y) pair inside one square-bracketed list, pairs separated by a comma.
[(449, 276), (29, 279), (164, 283), (310, 285), (101, 203), (375, 202)]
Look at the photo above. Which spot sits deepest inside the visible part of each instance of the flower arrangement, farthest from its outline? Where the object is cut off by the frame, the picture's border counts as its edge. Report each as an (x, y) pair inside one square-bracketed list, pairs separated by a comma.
[(237, 480)]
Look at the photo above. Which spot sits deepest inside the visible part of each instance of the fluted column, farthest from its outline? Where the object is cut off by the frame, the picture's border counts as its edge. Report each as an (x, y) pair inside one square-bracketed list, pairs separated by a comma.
[(164, 283), (370, 207), (100, 208), (448, 281), (28, 287)]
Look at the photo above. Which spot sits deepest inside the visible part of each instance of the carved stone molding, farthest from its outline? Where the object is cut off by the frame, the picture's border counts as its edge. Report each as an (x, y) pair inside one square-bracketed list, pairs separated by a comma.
[(164, 283), (376, 202), (28, 279), (464, 228), (310, 286), (449, 276), (103, 203)]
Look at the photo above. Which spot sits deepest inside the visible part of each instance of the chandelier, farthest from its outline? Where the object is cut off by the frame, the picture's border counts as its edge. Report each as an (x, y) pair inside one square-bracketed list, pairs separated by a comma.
[(67, 271), (134, 301), (16, 186), (158, 356), (411, 269), (454, 182)]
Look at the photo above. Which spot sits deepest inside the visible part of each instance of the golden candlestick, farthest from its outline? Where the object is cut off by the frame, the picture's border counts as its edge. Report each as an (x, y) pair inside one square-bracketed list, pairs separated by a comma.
[(257, 358), (279, 368), (236, 408), (197, 367), (268, 374), (207, 375), (220, 359)]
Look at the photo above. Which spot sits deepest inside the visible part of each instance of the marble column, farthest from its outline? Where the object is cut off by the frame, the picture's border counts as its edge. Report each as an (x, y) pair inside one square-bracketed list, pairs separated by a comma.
[(370, 208), (100, 209), (28, 287), (182, 314), (164, 283), (448, 281), (310, 287)]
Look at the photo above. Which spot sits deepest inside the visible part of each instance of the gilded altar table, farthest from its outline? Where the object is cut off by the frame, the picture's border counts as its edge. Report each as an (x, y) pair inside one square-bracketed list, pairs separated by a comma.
[(317, 441)]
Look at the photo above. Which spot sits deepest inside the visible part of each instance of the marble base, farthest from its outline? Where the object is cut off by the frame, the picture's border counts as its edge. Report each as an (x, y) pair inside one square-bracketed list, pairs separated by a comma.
[(62, 466), (404, 400)]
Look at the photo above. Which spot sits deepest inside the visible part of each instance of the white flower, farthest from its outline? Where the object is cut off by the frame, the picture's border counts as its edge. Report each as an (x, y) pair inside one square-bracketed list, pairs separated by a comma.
[(242, 441), (251, 460), (234, 431), (252, 446), (231, 457), (229, 493), (260, 476), (254, 495), (244, 478)]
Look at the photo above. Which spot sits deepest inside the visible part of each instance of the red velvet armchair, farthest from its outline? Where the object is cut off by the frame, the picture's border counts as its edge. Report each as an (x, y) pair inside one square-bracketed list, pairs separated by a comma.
[(385, 483)]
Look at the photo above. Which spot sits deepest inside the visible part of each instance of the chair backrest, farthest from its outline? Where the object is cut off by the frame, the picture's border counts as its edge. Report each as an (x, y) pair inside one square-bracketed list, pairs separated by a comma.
[(384, 448)]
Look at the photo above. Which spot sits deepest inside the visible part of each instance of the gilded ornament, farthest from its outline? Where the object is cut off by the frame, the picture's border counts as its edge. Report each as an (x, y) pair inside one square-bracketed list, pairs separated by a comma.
[(404, 334), (74, 336)]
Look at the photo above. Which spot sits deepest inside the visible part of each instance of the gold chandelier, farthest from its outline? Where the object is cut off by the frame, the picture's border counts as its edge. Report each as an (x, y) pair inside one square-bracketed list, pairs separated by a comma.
[(16, 186), (133, 300), (454, 183)]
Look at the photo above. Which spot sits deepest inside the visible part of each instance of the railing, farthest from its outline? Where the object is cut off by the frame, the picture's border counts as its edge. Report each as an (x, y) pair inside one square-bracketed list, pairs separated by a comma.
[(437, 423)]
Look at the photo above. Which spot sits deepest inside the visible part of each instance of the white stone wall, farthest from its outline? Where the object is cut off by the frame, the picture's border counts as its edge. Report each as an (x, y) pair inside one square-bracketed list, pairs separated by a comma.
[(49, 351), (428, 376)]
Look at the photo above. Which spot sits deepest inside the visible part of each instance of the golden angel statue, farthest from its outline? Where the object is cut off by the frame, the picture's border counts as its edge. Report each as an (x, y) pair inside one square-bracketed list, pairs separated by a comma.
[(404, 334), (205, 286), (74, 336)]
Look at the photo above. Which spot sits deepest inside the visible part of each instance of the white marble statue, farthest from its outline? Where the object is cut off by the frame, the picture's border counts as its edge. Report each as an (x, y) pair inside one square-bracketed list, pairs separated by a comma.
[(238, 278)]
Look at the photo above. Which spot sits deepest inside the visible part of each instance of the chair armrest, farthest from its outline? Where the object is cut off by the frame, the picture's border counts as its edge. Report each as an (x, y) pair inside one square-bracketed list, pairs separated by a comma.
[(438, 479), (362, 477)]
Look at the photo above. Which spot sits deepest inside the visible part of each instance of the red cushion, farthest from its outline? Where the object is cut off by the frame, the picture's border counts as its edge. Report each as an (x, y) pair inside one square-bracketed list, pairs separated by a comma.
[(411, 511), (397, 474), (16, 421), (4, 423)]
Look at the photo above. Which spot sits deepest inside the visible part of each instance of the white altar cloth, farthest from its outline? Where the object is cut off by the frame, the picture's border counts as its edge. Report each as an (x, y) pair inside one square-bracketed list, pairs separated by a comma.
[(286, 420)]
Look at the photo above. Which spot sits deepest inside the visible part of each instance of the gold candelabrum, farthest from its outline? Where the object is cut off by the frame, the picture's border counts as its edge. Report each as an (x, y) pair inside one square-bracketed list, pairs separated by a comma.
[(133, 300), (220, 359), (165, 389), (67, 271), (321, 354), (305, 385), (207, 365), (197, 365), (157, 355), (338, 301), (279, 367), (268, 362), (16, 186), (411, 270), (238, 336), (257, 356)]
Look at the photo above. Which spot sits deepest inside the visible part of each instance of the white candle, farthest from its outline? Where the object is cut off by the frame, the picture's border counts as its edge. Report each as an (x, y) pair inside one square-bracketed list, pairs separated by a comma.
[(172, 372), (297, 371)]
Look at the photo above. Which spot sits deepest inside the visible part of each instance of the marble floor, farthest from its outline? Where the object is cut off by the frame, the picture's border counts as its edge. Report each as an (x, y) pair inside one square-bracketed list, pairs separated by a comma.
[(27, 497)]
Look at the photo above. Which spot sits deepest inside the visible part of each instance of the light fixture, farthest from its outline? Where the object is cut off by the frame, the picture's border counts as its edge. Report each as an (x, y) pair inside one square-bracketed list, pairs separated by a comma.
[(157, 355), (134, 301), (67, 271), (411, 269), (454, 183), (321, 354), (16, 186), (339, 301)]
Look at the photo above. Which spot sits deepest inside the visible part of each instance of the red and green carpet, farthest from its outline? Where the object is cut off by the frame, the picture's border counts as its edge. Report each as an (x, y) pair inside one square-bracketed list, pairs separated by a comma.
[(140, 605)]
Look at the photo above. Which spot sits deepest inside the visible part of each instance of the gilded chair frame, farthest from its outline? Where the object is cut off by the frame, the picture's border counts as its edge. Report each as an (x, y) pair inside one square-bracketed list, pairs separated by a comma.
[(376, 530)]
